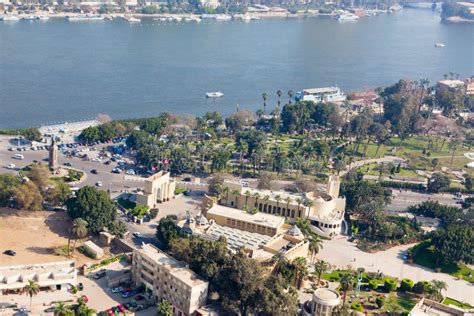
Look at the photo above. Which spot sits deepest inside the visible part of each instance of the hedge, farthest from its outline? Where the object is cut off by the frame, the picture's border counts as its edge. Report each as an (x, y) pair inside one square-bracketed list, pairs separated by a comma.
[(390, 285), (406, 285), (421, 287), (357, 307), (373, 284), (403, 185)]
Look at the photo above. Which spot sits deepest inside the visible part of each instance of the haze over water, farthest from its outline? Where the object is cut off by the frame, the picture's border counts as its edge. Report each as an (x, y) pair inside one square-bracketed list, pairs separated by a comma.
[(55, 71)]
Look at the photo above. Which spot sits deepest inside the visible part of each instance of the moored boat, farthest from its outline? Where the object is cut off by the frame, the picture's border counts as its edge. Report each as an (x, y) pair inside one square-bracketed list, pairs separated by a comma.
[(216, 94)]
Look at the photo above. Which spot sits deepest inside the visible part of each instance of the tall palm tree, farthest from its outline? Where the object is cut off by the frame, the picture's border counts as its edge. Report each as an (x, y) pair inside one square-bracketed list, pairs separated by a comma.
[(346, 280), (226, 190), (437, 287), (256, 195), (280, 261), (321, 267), (236, 193), (309, 204), (63, 310), (247, 195), (291, 93), (266, 198), (32, 289), (79, 230), (279, 94), (278, 200), (301, 270), (83, 309), (288, 200), (265, 97), (315, 244), (299, 201)]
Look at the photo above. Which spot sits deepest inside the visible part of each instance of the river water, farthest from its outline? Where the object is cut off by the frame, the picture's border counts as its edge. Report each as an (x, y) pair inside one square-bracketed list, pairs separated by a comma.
[(56, 70)]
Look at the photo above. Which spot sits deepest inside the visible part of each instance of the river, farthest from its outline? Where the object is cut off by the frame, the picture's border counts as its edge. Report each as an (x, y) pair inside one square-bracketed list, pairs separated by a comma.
[(55, 71)]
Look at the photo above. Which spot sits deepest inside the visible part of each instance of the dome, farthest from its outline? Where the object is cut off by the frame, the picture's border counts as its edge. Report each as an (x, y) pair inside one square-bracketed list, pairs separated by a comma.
[(294, 231), (201, 220)]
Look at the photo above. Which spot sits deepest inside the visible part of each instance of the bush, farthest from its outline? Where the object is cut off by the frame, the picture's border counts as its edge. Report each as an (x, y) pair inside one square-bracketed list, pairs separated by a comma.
[(373, 284), (406, 285), (153, 213), (380, 301), (404, 185), (390, 285), (179, 190), (357, 307), (421, 287)]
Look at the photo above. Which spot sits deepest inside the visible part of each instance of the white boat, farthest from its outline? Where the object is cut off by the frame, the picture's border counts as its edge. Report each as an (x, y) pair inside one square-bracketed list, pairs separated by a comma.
[(223, 17), (84, 18), (326, 94), (131, 19), (439, 45), (347, 17), (192, 19), (10, 18), (30, 18), (216, 94), (43, 18)]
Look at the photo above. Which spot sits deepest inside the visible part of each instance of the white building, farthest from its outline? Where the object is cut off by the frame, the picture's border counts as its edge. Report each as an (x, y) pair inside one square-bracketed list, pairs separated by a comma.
[(158, 188), (323, 303), (49, 276), (326, 94), (167, 278)]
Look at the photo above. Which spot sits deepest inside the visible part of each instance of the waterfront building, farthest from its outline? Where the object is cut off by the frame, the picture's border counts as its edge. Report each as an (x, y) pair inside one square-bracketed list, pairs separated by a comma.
[(158, 188), (326, 94), (323, 303), (325, 210), (451, 85), (167, 278), (49, 276)]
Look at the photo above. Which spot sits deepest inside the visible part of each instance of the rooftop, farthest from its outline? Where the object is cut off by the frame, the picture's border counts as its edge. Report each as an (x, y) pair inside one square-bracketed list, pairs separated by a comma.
[(237, 238), (176, 268), (261, 219), (321, 90), (65, 267)]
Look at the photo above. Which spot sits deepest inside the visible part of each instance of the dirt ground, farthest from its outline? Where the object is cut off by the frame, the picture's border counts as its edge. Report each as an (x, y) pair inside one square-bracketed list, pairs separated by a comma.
[(34, 235)]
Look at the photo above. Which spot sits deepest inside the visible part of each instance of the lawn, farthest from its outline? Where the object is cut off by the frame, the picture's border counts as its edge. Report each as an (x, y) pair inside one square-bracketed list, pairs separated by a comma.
[(451, 301), (426, 256), (371, 169)]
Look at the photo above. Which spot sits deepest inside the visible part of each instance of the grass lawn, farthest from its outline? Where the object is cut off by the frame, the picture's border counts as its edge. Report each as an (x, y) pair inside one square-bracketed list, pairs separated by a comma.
[(371, 169), (427, 257), (451, 301), (394, 302)]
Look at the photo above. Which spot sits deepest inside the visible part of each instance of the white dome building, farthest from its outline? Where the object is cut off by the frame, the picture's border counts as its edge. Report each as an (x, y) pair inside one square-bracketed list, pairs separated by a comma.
[(323, 303)]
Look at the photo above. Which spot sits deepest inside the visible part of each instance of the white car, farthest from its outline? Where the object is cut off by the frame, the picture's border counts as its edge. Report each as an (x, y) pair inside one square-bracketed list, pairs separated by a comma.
[(117, 289), (97, 159), (99, 184), (137, 234), (11, 166), (130, 172)]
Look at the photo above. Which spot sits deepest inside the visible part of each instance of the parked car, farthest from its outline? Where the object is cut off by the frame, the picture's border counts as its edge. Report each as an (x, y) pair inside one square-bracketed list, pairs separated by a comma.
[(51, 309), (139, 297), (99, 184), (80, 286), (85, 298), (117, 289), (137, 234), (94, 171), (121, 308), (99, 274), (11, 166), (68, 164), (10, 252), (130, 172), (129, 294)]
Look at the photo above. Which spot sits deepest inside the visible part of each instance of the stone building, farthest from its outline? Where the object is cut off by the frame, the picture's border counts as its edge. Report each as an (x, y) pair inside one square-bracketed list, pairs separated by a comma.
[(159, 188), (323, 303)]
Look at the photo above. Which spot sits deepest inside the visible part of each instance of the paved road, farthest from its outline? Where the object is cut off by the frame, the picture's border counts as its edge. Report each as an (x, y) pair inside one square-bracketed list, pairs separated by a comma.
[(359, 163), (341, 253), (402, 199)]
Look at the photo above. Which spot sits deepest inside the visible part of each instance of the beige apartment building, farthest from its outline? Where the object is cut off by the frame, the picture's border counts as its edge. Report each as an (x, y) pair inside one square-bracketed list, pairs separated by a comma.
[(167, 278)]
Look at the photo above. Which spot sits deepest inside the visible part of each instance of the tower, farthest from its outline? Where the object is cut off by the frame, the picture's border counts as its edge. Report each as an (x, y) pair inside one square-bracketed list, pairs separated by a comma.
[(53, 156), (334, 185)]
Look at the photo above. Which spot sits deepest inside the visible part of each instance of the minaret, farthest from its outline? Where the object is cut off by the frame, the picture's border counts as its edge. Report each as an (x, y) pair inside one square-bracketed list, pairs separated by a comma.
[(53, 156)]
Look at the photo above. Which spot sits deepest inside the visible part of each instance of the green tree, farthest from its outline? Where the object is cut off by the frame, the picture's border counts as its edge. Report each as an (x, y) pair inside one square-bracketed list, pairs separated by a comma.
[(28, 196), (63, 310), (8, 183), (438, 182), (32, 289), (59, 193), (277, 298), (320, 267), (94, 206), (436, 289), (166, 231), (164, 308), (79, 230), (265, 97), (454, 244)]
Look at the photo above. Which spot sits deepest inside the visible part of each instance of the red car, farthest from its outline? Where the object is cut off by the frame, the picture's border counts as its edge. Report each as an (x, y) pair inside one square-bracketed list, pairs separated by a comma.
[(122, 309), (85, 298), (110, 311)]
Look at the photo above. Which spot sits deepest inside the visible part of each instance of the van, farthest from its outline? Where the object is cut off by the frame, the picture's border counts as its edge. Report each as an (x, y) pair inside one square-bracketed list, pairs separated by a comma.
[(18, 156)]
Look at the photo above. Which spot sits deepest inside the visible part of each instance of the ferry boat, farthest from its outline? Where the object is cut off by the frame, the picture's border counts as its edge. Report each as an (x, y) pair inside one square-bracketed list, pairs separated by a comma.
[(347, 17), (43, 18), (83, 18), (325, 94), (30, 18), (216, 94), (223, 17), (192, 19), (439, 45), (10, 18)]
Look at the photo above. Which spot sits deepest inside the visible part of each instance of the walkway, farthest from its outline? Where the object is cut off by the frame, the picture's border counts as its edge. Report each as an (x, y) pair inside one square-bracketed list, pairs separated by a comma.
[(360, 163), (341, 253)]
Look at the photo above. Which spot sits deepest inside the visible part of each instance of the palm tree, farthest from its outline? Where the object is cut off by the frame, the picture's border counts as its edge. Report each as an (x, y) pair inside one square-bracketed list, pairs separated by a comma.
[(83, 309), (236, 193), (280, 261), (247, 195), (32, 288), (315, 244), (63, 310), (265, 97), (299, 201), (278, 199), (301, 270), (453, 144), (266, 198), (79, 230), (291, 93), (226, 190), (256, 195), (321, 267), (288, 200), (437, 287), (346, 284), (279, 94), (309, 204)]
